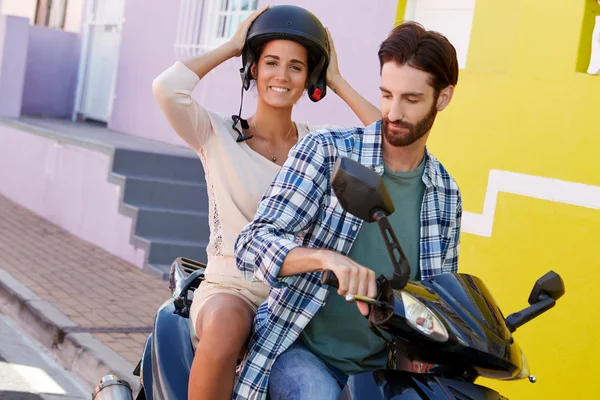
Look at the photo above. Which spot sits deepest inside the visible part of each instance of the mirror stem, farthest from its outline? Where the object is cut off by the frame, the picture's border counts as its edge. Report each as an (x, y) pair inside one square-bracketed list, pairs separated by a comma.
[(399, 260), (515, 320)]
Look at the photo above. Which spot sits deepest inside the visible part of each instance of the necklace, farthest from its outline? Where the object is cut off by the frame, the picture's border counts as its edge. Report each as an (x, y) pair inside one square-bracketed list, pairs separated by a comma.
[(273, 157)]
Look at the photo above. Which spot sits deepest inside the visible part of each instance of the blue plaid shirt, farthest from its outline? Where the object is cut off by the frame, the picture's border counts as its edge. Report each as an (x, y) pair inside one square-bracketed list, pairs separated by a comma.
[(300, 209)]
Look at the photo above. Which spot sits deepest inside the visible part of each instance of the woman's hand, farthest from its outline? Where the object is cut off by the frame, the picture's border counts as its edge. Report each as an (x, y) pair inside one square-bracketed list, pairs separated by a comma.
[(333, 72), (363, 109), (238, 40)]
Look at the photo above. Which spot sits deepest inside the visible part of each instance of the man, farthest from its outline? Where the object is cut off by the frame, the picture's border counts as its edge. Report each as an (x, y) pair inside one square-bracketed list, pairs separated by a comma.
[(302, 346)]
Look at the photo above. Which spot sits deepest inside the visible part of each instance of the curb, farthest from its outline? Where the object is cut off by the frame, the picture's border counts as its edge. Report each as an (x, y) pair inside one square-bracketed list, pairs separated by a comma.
[(80, 353)]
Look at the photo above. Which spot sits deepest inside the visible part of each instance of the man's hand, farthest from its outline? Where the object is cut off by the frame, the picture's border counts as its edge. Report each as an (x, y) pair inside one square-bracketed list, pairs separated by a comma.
[(353, 278)]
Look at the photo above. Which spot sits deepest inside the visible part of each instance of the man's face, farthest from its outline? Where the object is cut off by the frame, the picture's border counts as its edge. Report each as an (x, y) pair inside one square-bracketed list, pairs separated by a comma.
[(409, 104)]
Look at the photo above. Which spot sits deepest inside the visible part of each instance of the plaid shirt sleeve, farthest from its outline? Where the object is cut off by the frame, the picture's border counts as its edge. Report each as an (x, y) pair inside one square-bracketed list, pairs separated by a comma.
[(451, 259), (288, 207)]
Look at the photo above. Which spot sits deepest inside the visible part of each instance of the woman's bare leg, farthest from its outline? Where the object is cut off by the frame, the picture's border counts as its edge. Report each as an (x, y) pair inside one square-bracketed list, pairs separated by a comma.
[(223, 326)]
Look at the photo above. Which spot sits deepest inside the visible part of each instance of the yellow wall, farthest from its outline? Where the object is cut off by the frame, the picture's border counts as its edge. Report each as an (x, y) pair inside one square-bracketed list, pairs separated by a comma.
[(520, 106)]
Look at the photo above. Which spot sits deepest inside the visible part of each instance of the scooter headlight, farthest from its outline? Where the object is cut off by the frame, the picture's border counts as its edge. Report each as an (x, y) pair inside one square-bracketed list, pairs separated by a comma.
[(422, 319)]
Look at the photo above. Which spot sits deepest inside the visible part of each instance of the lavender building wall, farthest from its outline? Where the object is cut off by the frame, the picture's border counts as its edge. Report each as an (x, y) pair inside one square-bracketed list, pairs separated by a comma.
[(147, 49), (51, 72), (14, 36)]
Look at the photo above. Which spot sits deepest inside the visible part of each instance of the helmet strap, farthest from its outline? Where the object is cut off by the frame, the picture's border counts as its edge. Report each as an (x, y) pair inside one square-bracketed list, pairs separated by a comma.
[(238, 118)]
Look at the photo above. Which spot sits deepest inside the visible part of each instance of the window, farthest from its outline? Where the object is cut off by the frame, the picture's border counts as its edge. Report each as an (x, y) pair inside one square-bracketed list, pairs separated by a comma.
[(51, 13), (206, 24)]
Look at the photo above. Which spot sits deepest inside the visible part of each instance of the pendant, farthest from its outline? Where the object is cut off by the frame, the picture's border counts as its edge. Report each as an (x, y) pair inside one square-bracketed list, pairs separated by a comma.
[(274, 159)]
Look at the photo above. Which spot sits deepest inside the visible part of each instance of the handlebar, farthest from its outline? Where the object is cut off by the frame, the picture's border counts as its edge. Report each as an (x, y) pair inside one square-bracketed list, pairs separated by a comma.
[(328, 278)]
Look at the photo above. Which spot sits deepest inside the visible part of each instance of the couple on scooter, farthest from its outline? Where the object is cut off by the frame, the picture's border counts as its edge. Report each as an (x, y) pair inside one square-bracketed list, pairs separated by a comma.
[(275, 223)]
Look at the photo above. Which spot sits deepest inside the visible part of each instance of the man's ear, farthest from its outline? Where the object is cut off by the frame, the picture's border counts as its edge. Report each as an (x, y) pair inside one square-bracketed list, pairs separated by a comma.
[(445, 97)]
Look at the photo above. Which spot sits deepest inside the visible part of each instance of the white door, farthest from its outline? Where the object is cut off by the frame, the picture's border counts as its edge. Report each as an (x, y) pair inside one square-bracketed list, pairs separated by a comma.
[(99, 59), (451, 18)]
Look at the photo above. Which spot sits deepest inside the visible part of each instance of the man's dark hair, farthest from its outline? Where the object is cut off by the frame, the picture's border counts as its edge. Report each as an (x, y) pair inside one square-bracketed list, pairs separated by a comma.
[(411, 44)]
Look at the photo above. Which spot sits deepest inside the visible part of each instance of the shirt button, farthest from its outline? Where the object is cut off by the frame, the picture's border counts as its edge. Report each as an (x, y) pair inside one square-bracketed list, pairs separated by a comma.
[(354, 228)]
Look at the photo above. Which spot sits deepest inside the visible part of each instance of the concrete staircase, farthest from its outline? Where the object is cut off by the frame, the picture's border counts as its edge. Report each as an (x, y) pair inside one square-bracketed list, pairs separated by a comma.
[(162, 187), (166, 197)]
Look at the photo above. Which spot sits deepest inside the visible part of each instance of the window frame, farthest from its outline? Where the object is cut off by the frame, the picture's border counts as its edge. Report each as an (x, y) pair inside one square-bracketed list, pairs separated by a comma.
[(204, 25)]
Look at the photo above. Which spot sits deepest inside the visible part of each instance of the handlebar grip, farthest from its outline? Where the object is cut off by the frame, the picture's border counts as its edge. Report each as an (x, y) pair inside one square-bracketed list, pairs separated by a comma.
[(329, 278)]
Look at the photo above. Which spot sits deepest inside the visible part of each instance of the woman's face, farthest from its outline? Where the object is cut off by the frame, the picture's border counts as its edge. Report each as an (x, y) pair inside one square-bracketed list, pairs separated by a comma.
[(282, 73)]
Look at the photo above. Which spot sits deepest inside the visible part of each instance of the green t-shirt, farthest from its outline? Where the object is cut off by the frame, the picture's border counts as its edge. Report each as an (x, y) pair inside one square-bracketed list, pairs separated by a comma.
[(339, 333)]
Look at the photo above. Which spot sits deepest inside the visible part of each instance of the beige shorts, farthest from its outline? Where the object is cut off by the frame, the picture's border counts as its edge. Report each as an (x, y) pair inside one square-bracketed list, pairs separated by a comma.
[(253, 293)]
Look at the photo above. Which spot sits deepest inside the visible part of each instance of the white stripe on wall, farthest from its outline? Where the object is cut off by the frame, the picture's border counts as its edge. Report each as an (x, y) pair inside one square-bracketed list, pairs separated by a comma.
[(537, 187)]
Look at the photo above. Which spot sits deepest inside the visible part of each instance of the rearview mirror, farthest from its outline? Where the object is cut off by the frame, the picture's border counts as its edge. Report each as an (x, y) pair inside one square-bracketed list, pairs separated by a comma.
[(546, 291), (360, 190), (362, 193), (550, 285)]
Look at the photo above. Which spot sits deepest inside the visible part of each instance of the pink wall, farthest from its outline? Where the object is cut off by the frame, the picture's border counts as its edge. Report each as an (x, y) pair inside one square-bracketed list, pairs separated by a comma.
[(147, 49), (66, 184)]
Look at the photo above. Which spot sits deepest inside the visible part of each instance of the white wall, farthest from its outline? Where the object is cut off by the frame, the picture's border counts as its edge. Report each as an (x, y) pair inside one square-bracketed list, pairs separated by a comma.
[(74, 15), (19, 8), (452, 18)]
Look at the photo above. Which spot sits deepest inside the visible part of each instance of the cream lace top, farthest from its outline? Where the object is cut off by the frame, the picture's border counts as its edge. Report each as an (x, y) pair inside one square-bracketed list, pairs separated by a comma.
[(236, 176)]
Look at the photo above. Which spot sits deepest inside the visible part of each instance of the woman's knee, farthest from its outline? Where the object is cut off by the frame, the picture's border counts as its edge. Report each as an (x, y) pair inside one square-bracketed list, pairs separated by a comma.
[(224, 321)]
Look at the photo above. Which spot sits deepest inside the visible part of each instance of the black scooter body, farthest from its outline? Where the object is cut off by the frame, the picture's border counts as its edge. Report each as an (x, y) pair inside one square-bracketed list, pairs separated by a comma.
[(400, 385), (164, 369), (476, 339), (479, 343)]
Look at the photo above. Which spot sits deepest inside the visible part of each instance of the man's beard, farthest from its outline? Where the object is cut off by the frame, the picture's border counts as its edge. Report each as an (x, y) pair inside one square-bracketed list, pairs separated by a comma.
[(415, 131)]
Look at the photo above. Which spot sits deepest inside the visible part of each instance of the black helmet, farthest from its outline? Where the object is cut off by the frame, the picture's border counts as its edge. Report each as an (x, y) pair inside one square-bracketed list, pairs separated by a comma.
[(292, 23)]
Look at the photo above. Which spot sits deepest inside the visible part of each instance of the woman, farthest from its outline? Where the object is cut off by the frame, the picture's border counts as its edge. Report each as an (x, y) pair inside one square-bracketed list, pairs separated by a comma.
[(285, 52)]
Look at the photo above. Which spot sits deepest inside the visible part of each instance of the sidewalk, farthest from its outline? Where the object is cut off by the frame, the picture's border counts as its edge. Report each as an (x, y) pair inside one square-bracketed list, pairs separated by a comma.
[(86, 304)]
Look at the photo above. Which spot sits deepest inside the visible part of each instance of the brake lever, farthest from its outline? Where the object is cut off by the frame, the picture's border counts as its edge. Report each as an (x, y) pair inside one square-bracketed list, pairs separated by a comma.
[(352, 298)]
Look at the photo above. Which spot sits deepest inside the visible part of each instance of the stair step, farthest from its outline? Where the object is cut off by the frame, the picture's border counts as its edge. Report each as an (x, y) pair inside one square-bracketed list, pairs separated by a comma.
[(169, 210), (173, 224), (165, 252), (143, 164), (173, 241), (160, 271)]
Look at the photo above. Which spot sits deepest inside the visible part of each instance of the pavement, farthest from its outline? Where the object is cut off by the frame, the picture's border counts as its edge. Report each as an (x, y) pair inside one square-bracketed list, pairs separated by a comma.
[(28, 372), (90, 309)]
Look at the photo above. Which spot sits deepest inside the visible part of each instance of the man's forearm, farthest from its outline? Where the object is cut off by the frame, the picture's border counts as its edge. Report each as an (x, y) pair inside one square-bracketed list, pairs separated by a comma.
[(302, 260)]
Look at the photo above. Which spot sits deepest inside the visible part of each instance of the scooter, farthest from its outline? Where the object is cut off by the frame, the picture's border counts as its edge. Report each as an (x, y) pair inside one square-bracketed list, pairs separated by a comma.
[(443, 332), (164, 367)]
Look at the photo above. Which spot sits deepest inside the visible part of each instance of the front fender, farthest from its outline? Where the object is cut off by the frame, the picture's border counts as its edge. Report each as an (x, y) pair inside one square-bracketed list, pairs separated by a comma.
[(145, 371), (172, 354)]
